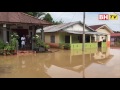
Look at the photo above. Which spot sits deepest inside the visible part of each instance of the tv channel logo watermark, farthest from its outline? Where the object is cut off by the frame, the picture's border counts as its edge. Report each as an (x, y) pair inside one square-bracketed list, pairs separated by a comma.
[(108, 17)]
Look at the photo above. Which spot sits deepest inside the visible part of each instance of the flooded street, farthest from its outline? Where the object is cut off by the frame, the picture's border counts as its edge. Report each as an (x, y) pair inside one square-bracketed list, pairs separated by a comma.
[(104, 63)]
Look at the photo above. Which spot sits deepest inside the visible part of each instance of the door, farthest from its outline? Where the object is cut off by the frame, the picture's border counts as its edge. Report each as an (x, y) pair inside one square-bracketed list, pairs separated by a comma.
[(67, 39)]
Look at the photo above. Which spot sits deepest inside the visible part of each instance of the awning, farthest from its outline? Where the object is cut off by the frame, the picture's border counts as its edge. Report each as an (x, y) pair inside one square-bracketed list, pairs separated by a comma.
[(86, 32)]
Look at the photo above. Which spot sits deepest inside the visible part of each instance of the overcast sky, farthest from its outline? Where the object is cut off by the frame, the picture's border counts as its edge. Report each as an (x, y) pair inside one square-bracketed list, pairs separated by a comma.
[(91, 18)]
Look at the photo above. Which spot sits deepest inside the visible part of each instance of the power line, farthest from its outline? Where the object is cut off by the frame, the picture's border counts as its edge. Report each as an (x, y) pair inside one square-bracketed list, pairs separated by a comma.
[(59, 16), (73, 17)]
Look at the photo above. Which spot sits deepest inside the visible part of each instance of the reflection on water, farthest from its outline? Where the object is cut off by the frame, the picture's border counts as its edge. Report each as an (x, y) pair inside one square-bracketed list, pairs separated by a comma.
[(61, 64)]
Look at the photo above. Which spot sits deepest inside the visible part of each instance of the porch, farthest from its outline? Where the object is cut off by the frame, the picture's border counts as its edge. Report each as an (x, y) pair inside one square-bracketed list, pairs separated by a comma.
[(75, 41)]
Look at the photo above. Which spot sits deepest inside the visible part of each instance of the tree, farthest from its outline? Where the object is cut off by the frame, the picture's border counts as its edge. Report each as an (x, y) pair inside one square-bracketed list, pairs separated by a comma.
[(36, 14), (48, 18), (57, 22)]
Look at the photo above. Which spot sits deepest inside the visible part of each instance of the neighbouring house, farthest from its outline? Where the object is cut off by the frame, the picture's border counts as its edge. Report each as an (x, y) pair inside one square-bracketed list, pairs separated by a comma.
[(115, 39), (21, 23), (103, 28), (71, 33)]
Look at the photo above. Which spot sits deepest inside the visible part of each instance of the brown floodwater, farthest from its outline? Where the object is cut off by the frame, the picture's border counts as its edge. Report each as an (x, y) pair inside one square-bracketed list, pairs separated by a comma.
[(92, 63)]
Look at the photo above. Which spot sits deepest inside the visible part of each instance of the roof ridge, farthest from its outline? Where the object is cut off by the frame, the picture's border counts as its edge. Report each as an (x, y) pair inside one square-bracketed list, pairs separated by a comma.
[(34, 17), (29, 15), (97, 25)]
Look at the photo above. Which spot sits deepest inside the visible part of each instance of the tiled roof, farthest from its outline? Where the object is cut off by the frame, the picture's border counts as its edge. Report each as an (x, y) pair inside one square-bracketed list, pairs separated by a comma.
[(115, 34), (20, 17), (96, 26)]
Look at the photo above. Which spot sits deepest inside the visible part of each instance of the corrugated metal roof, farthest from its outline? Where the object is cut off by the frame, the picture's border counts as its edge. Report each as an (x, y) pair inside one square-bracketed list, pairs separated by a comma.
[(20, 17), (55, 28), (86, 32), (96, 26)]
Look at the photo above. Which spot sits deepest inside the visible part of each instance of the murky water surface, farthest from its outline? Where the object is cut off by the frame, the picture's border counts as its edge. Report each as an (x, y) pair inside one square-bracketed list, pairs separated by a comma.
[(92, 63)]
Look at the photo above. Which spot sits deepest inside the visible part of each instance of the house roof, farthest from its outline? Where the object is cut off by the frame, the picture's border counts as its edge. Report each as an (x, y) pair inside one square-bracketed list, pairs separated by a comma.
[(115, 34), (20, 17), (55, 28), (97, 27), (86, 32)]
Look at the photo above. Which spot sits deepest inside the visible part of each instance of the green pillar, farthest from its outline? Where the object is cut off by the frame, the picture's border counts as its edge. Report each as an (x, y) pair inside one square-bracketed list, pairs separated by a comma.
[(90, 41), (90, 38), (70, 39)]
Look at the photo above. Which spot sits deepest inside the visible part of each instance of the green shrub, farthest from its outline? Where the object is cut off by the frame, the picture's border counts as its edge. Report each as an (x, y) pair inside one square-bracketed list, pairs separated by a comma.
[(67, 46), (2, 44), (61, 45), (47, 46)]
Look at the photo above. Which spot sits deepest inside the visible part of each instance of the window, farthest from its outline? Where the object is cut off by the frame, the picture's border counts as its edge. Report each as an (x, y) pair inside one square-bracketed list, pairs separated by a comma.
[(53, 39), (80, 38), (87, 39)]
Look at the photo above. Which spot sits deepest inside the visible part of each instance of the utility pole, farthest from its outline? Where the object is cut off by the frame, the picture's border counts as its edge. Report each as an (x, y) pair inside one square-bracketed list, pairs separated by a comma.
[(83, 45)]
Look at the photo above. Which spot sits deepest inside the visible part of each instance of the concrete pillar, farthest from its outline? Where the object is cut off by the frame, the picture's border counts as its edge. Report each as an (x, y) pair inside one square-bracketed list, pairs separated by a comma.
[(90, 38), (4, 34), (70, 39), (33, 33), (42, 34)]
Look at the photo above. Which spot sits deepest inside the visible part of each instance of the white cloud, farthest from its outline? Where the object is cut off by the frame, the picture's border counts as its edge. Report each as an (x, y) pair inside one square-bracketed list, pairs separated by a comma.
[(91, 18)]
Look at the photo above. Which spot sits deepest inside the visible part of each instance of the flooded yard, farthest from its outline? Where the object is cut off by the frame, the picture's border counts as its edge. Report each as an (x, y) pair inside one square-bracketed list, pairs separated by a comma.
[(92, 63)]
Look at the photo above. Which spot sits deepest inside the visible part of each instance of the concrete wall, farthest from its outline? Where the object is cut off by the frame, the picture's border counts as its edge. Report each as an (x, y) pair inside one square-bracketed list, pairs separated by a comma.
[(105, 30), (48, 37)]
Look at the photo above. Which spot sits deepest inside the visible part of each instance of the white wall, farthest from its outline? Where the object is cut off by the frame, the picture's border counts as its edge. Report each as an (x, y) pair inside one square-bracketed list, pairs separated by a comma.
[(106, 32), (108, 39), (103, 31), (76, 27)]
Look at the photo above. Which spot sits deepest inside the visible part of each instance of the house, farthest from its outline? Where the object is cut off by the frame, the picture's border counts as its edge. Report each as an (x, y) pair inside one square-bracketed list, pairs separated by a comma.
[(71, 33), (103, 28), (115, 39), (19, 22)]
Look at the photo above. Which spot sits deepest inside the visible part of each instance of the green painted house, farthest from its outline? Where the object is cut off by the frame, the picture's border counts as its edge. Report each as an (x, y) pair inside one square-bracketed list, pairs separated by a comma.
[(71, 33)]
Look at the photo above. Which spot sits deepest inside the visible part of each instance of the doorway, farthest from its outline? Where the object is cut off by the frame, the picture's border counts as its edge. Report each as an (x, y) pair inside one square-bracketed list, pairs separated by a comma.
[(20, 32), (67, 39)]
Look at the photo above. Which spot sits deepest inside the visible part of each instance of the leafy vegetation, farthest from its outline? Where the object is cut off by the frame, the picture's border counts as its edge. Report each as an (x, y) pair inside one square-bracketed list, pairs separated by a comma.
[(36, 14), (44, 16), (9, 48), (67, 46), (2, 44), (64, 46)]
